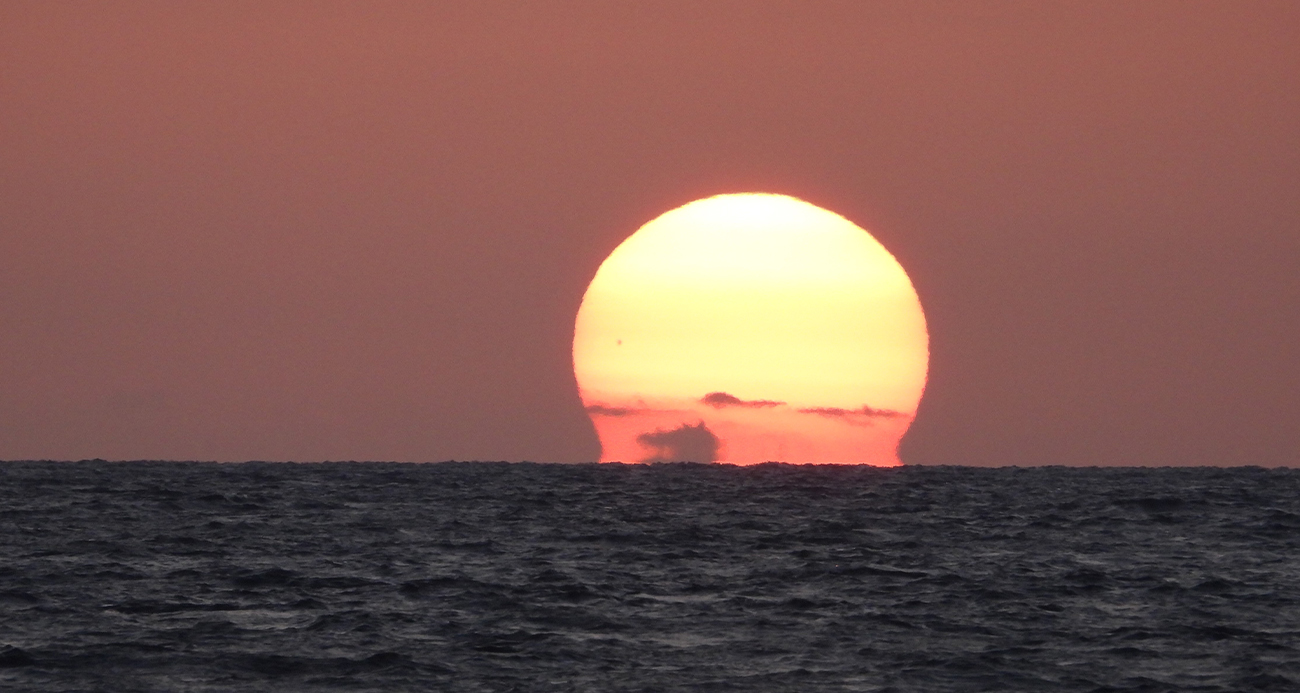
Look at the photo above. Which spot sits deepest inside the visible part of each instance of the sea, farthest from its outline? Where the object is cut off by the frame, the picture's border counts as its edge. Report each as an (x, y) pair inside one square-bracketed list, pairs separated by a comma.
[(473, 576)]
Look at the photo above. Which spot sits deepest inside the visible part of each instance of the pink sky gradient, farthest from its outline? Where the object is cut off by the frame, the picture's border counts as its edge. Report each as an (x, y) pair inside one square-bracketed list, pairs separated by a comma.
[(303, 231)]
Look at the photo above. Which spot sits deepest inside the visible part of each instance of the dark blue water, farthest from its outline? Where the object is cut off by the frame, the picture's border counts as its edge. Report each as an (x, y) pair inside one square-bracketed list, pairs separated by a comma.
[(496, 577)]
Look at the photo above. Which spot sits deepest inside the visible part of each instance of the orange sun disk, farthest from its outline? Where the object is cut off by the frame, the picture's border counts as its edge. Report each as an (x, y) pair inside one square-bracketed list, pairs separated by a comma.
[(749, 328)]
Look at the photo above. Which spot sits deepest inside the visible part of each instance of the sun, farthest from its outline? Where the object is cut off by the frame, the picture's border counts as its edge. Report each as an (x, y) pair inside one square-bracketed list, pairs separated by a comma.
[(747, 328)]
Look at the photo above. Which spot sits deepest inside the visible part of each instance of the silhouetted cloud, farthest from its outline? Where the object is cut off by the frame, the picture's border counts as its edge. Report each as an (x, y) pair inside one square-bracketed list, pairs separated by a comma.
[(865, 414), (718, 400), (602, 410), (686, 443)]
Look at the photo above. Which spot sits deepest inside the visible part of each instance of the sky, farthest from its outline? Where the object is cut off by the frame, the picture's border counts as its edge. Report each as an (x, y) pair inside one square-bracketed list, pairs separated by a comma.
[(315, 230)]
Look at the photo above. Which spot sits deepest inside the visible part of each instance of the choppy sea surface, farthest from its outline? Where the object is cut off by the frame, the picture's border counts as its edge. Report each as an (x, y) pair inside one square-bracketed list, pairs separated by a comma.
[(529, 577)]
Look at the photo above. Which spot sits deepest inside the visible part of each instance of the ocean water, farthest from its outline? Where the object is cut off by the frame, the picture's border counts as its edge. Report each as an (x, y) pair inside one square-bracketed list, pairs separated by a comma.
[(527, 577)]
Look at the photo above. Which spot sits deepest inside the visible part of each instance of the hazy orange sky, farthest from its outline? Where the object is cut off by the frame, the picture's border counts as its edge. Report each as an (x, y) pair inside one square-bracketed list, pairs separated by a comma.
[(303, 231)]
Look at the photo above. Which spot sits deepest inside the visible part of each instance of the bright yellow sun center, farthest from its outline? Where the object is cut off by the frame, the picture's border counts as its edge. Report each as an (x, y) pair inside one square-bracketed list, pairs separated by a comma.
[(747, 328)]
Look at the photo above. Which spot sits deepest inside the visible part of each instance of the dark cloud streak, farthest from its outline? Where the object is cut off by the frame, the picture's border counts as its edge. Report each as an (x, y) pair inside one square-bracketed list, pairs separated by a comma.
[(865, 414), (718, 400), (602, 410)]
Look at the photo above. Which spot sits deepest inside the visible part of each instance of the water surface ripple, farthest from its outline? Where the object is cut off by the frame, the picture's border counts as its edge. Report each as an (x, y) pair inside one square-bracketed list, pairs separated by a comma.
[(525, 577)]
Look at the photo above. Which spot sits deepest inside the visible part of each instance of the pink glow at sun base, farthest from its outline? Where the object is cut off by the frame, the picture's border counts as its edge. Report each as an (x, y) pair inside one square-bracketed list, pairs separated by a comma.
[(745, 435)]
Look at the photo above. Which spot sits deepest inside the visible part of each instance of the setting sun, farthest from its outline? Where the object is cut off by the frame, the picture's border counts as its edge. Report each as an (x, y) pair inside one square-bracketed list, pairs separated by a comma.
[(749, 328)]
